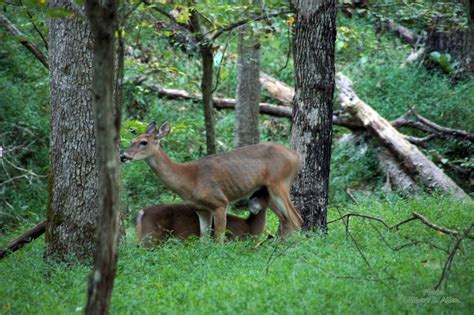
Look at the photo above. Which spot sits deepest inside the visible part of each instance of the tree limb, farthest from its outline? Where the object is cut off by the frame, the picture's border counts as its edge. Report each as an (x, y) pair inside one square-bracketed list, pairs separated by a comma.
[(450, 131), (449, 261), (23, 239), (22, 39), (236, 24)]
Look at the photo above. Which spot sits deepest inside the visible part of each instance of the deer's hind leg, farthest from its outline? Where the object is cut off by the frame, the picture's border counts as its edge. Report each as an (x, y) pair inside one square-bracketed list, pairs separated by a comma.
[(282, 206), (220, 223)]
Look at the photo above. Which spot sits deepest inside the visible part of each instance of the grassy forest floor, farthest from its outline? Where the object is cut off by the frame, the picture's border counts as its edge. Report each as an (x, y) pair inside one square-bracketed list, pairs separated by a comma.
[(306, 274)]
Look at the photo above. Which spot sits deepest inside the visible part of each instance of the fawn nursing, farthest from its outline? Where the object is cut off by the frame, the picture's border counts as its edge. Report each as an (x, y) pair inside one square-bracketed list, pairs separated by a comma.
[(211, 183)]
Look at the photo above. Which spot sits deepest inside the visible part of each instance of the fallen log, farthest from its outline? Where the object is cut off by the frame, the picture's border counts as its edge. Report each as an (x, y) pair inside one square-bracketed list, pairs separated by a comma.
[(277, 89), (396, 175), (408, 155), (404, 33), (24, 239), (229, 103)]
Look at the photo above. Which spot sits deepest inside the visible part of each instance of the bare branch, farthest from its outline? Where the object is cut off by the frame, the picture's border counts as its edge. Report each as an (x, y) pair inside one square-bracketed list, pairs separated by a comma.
[(449, 261), (450, 131), (22, 39), (236, 24), (434, 226), (24, 239)]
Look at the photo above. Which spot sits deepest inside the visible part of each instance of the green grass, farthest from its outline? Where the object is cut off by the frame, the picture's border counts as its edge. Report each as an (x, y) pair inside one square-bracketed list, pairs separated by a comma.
[(305, 274)]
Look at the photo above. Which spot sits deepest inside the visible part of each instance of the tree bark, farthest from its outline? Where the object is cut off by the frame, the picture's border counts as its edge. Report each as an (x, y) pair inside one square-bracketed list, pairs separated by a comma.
[(415, 162), (311, 136), (469, 38), (102, 16), (207, 56), (73, 181), (248, 88), (206, 89)]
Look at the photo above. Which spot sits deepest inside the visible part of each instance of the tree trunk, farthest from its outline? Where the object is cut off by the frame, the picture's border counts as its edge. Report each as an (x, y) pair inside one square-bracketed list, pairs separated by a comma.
[(73, 182), (102, 16), (207, 57), (469, 38), (248, 88), (314, 40), (206, 89)]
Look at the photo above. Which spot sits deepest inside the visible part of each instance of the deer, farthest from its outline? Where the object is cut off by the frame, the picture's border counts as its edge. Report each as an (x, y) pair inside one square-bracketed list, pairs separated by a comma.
[(209, 184), (158, 223)]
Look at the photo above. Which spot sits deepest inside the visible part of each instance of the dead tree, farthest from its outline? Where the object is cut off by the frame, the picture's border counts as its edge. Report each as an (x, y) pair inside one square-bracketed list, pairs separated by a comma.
[(415, 162)]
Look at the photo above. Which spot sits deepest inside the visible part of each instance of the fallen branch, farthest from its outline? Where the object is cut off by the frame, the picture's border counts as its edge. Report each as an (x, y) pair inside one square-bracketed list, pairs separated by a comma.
[(404, 33), (450, 131), (24, 239), (415, 216), (449, 261), (22, 39), (434, 226), (229, 103)]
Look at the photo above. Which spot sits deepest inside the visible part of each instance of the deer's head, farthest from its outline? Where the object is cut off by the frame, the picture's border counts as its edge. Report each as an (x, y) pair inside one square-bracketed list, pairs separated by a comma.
[(144, 146)]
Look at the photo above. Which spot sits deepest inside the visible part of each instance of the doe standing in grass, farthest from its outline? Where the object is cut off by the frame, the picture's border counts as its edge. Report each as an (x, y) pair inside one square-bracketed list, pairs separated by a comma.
[(211, 183)]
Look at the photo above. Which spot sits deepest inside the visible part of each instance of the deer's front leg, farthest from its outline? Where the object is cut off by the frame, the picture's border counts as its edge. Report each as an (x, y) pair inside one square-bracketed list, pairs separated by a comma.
[(205, 222), (220, 223)]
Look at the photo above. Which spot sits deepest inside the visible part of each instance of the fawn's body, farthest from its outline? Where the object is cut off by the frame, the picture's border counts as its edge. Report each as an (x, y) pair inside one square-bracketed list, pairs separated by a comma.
[(160, 222)]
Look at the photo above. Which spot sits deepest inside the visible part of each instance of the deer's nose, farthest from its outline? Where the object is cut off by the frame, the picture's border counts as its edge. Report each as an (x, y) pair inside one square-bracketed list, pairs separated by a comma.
[(124, 158)]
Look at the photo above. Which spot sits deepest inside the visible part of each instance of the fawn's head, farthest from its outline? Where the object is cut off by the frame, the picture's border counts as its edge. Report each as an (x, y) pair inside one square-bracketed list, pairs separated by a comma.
[(143, 146)]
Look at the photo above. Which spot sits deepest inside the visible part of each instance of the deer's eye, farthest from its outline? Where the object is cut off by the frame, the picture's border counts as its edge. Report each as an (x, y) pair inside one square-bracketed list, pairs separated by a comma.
[(143, 142)]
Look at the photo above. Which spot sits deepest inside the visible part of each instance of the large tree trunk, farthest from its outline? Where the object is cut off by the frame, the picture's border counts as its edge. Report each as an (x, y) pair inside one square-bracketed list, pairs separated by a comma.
[(415, 162), (248, 88), (73, 183), (315, 35), (103, 19)]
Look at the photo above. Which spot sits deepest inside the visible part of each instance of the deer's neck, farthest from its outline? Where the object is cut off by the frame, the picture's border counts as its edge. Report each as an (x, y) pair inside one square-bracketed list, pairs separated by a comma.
[(174, 175), (257, 222)]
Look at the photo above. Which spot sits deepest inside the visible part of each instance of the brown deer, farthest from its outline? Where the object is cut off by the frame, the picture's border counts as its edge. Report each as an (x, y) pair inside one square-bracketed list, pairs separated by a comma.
[(211, 183), (157, 223)]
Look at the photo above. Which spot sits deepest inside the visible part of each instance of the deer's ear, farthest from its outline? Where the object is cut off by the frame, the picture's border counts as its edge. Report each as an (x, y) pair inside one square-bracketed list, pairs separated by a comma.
[(164, 130), (151, 129)]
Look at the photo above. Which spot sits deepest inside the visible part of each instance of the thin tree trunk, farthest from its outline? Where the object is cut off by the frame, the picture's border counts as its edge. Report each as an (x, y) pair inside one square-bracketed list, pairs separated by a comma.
[(469, 38), (207, 57), (315, 35), (73, 182), (206, 89), (103, 19), (248, 88)]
